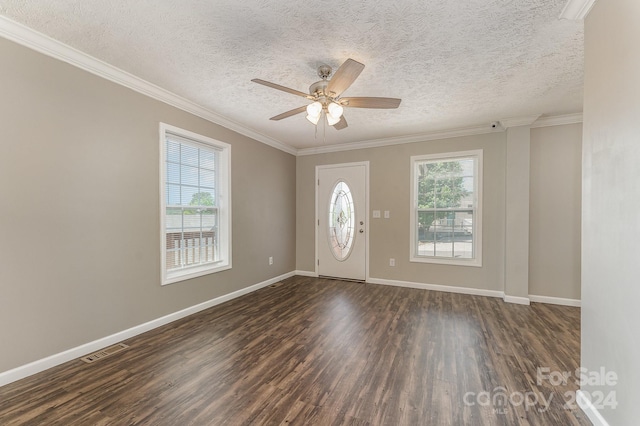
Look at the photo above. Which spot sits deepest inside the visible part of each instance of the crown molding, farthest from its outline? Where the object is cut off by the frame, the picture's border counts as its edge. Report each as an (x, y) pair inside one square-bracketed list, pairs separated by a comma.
[(558, 120), (422, 137), (532, 121), (519, 121), (44, 44), (576, 10)]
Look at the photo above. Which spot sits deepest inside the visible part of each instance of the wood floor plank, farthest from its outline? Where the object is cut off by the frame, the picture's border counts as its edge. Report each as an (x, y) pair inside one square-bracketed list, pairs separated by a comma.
[(326, 352)]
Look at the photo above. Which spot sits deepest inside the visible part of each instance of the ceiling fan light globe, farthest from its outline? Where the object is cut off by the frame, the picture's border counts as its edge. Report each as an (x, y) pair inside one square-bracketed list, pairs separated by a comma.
[(331, 120), (314, 109), (313, 118), (335, 110)]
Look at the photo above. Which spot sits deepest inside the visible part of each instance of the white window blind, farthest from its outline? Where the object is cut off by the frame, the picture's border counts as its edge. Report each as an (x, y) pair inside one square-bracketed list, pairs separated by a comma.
[(195, 217)]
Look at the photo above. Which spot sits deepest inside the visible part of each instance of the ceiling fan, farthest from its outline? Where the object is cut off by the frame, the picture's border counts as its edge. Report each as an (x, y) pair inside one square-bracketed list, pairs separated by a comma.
[(325, 95)]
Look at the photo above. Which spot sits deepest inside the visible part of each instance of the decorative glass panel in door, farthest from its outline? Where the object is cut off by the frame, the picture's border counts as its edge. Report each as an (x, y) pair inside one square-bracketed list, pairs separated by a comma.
[(341, 221)]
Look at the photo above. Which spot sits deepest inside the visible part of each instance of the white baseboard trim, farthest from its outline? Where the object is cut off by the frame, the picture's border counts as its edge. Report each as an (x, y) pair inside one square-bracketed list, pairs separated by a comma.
[(306, 273), (34, 367), (592, 412), (517, 300), (555, 300), (437, 287)]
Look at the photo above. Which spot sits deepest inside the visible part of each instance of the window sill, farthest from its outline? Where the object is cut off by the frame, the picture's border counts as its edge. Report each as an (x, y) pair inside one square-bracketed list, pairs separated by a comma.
[(442, 261), (188, 273)]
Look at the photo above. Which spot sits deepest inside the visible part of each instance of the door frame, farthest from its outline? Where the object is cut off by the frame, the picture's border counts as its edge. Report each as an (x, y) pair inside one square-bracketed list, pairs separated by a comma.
[(366, 207)]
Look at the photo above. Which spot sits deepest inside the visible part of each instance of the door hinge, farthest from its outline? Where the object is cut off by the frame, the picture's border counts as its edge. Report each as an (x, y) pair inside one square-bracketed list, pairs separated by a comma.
[(318, 262), (318, 182), (318, 222)]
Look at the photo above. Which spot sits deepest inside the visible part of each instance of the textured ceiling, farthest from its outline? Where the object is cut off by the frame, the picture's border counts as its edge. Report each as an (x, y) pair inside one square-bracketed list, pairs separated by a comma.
[(454, 63)]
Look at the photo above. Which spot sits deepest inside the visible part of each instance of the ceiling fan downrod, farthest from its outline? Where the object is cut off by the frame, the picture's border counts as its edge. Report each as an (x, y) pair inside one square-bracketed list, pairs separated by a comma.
[(324, 71)]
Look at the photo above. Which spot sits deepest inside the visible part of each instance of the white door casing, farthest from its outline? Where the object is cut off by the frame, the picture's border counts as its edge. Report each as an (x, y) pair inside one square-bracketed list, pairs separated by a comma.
[(342, 240)]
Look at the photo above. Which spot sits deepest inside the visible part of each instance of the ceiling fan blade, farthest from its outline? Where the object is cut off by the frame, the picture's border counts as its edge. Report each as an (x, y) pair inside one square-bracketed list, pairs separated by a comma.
[(289, 113), (344, 77), (371, 102), (341, 124), (284, 89)]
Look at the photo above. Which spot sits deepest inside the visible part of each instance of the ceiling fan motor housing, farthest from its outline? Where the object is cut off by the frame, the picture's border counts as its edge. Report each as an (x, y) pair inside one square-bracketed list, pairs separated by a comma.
[(319, 88)]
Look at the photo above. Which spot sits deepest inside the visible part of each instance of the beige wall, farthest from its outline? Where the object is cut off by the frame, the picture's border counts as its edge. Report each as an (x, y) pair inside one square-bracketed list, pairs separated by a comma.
[(611, 202), (390, 190), (554, 211), (79, 210), (554, 257)]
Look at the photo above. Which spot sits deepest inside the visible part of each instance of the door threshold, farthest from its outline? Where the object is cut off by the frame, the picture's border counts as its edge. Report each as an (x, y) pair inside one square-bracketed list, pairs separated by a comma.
[(351, 280)]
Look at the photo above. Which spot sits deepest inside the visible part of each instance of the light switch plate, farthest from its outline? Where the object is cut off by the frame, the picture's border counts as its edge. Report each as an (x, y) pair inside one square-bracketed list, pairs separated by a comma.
[(376, 214), (386, 214)]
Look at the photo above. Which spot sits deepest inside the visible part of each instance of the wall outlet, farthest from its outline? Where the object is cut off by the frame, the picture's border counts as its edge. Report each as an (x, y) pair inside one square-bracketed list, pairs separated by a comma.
[(270, 260), (392, 262)]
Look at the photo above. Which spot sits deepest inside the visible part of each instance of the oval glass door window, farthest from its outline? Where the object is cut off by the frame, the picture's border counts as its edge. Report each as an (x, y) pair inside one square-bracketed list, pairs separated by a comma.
[(342, 221)]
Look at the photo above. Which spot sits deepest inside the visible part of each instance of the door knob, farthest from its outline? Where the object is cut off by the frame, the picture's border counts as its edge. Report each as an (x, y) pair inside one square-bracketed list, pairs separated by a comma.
[(361, 223), (361, 231)]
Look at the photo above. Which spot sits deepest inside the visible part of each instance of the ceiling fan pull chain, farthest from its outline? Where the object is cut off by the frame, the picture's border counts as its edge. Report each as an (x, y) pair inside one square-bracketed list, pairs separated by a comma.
[(324, 132)]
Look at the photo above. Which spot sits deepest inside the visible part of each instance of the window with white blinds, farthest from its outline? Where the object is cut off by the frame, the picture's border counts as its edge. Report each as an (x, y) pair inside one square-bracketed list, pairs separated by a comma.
[(195, 205)]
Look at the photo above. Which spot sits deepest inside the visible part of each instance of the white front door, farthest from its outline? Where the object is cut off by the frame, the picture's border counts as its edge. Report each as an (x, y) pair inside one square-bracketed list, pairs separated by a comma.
[(341, 220)]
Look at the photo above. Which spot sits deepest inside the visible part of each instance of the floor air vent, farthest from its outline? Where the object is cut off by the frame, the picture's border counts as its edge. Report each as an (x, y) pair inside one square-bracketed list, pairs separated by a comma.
[(103, 353)]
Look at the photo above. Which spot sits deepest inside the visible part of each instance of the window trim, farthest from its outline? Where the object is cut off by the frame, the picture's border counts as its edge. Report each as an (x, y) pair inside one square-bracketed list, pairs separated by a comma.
[(476, 261), (223, 193)]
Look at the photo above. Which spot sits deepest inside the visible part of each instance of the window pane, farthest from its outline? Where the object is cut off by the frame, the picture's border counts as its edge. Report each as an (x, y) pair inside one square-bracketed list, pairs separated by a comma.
[(173, 220), (426, 240), (467, 166), (173, 173), (187, 195), (207, 178), (207, 159), (463, 239), (203, 198), (189, 155), (208, 219), (431, 169), (173, 151), (441, 236), (468, 198), (189, 175), (191, 221), (173, 194), (446, 193), (426, 195)]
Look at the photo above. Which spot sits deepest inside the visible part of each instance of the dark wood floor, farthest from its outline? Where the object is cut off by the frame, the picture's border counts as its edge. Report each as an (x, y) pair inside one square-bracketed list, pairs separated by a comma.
[(314, 351)]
